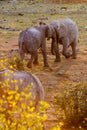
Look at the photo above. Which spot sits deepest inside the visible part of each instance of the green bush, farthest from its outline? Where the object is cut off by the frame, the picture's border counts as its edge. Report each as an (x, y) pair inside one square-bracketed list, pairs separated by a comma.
[(73, 103)]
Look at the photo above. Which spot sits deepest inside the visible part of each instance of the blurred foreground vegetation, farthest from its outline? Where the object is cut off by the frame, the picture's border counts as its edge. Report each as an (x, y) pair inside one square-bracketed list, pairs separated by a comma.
[(71, 104)]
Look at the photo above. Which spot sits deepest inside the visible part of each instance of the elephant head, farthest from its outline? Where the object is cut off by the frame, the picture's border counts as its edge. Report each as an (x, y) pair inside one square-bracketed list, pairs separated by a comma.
[(56, 24), (50, 30), (59, 27)]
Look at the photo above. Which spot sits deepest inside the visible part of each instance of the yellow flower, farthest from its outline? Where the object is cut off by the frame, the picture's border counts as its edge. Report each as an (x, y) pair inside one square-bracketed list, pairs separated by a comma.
[(1, 102), (14, 81), (16, 88), (31, 109), (27, 96), (44, 117), (11, 92), (17, 96), (6, 74), (56, 128), (61, 123), (12, 103), (11, 67), (22, 93), (8, 122), (10, 97), (23, 105)]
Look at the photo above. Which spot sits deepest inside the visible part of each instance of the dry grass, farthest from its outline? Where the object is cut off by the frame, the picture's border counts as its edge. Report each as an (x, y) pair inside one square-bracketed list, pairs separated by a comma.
[(25, 15)]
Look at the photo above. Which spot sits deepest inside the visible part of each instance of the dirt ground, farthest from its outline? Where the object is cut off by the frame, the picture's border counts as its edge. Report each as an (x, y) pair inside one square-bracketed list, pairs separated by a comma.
[(70, 70), (73, 71)]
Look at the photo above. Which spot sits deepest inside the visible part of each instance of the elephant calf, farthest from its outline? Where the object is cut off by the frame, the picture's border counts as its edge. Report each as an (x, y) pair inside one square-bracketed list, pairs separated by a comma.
[(24, 79), (54, 37), (30, 40), (67, 35)]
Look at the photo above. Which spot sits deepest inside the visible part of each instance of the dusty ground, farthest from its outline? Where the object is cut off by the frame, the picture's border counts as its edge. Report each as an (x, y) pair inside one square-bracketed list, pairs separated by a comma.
[(68, 70)]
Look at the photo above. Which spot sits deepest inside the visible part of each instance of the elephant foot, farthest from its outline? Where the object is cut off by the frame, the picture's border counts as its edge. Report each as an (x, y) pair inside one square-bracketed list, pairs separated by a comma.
[(74, 57), (53, 53), (46, 65), (57, 60), (68, 55), (36, 63)]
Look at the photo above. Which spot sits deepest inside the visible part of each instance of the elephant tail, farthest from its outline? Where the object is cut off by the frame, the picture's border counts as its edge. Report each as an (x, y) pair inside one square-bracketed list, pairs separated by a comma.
[(40, 89)]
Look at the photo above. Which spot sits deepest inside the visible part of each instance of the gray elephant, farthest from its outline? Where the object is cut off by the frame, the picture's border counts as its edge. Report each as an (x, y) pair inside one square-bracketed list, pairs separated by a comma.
[(23, 79), (31, 39), (67, 35), (54, 37)]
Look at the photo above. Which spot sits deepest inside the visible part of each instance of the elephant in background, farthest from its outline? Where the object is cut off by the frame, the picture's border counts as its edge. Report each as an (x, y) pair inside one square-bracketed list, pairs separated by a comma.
[(67, 35), (31, 39)]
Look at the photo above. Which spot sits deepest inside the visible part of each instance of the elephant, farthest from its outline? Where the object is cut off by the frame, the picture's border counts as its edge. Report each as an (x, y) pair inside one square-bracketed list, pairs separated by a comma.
[(54, 38), (23, 80), (31, 39), (67, 35)]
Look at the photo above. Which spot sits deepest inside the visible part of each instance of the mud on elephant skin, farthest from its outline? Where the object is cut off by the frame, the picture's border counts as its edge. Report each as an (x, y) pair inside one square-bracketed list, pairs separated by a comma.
[(67, 35), (30, 40), (24, 79)]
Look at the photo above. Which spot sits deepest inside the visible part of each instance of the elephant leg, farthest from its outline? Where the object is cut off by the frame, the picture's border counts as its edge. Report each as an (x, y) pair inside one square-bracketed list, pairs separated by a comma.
[(36, 59), (44, 54), (33, 55), (22, 54), (52, 49), (65, 47), (56, 49), (73, 46)]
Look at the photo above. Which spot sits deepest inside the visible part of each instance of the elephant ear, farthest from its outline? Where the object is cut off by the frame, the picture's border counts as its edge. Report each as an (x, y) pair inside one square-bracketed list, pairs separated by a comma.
[(62, 30), (51, 28), (53, 31), (49, 32), (56, 25)]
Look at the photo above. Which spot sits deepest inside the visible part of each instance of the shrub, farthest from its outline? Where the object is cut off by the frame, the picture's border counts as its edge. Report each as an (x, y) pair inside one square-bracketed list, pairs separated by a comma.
[(16, 62), (73, 103), (17, 111), (12, 62)]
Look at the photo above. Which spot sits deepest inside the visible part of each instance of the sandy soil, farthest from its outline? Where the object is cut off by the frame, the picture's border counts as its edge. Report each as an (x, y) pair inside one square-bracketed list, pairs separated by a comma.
[(71, 70)]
